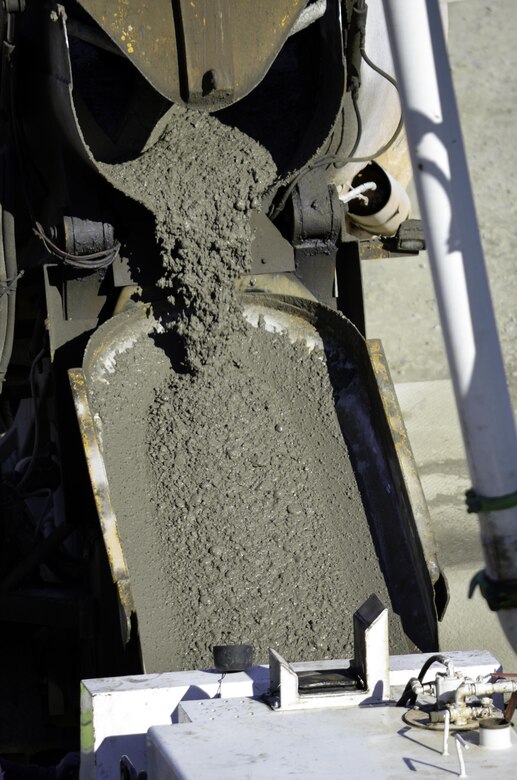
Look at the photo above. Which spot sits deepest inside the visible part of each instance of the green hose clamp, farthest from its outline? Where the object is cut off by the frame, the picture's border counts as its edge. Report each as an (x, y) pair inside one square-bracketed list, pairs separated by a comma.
[(477, 503), (498, 595)]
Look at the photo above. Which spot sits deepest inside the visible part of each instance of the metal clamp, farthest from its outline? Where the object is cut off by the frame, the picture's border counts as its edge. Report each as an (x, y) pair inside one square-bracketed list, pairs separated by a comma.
[(498, 595), (476, 503)]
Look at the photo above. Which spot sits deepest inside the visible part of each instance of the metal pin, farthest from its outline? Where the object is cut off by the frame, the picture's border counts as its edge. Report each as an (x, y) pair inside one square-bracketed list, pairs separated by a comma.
[(460, 743), (446, 729)]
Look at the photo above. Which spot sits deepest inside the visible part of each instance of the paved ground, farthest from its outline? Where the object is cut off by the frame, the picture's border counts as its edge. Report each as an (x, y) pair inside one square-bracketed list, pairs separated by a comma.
[(401, 308)]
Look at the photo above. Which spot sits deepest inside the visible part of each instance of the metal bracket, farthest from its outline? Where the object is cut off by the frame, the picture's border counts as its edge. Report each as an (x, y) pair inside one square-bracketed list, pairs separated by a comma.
[(364, 681), (74, 301), (409, 240), (317, 215)]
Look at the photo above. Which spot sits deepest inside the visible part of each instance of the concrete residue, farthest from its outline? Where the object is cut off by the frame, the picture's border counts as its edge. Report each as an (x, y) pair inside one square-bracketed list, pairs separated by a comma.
[(237, 505)]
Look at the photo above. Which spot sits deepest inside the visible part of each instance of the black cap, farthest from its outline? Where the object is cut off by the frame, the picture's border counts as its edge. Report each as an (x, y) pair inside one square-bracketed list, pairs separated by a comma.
[(232, 658)]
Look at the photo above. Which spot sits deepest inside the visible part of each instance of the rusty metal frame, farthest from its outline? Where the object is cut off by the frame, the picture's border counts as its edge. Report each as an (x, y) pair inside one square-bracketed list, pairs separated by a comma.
[(101, 493), (202, 53)]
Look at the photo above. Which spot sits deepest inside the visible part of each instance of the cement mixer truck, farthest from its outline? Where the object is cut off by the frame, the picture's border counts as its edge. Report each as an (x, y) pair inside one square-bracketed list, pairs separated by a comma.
[(201, 452)]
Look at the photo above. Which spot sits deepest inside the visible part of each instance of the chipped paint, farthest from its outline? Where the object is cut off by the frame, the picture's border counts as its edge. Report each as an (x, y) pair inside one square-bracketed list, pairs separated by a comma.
[(101, 494), (145, 32), (129, 40)]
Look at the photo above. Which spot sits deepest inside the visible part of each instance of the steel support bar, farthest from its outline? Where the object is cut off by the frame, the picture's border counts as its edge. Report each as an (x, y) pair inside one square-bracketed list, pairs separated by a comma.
[(460, 280)]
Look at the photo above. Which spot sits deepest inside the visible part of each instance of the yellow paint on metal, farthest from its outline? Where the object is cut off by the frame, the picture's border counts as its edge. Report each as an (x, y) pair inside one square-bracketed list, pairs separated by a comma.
[(152, 43), (128, 39), (101, 494), (87, 735)]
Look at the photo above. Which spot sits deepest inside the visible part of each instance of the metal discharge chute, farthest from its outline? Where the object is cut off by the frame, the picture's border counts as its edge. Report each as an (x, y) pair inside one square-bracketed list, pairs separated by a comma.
[(170, 168)]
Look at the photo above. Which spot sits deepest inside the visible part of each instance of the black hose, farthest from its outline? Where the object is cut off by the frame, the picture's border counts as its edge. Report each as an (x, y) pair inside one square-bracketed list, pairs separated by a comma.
[(408, 698), (359, 132), (438, 658)]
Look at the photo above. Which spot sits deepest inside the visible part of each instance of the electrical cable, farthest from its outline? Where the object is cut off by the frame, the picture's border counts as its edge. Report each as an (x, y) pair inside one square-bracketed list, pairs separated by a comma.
[(359, 132), (359, 123), (91, 262), (328, 160), (325, 161), (400, 123), (377, 69), (336, 160)]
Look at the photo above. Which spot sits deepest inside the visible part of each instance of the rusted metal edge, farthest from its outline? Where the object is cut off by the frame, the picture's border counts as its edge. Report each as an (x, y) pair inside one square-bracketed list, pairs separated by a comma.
[(408, 469), (101, 493), (202, 54)]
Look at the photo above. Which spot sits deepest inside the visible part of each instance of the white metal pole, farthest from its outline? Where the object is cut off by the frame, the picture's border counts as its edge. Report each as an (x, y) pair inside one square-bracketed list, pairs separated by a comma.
[(460, 280)]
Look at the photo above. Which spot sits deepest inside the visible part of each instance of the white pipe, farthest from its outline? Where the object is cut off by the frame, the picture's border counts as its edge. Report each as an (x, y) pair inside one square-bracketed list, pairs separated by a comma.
[(446, 730), (460, 743), (459, 274), (358, 192), (479, 689)]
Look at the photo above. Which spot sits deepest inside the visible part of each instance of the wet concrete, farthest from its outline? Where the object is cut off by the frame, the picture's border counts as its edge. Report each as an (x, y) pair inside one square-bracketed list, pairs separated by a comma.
[(200, 180), (237, 504), (238, 509)]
